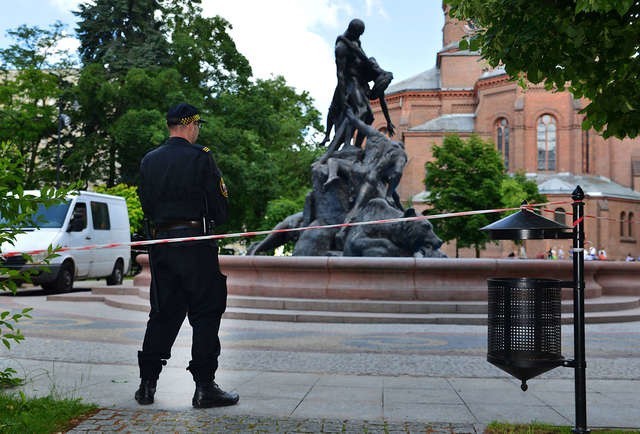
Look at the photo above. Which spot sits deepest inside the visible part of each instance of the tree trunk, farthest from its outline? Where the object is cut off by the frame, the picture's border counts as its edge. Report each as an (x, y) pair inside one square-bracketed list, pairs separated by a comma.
[(112, 166)]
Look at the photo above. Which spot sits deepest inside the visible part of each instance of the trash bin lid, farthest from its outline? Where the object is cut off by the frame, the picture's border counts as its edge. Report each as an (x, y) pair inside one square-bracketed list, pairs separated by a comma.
[(525, 225)]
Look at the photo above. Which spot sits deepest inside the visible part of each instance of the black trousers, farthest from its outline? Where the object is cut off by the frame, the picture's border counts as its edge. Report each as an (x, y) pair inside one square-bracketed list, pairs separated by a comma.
[(185, 281)]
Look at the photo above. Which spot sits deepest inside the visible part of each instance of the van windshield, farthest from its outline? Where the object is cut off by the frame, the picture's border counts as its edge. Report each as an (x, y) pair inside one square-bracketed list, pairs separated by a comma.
[(51, 216), (47, 217)]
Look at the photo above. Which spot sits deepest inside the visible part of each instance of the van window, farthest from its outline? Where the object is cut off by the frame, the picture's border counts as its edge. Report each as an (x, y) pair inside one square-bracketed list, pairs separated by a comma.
[(80, 214), (100, 216)]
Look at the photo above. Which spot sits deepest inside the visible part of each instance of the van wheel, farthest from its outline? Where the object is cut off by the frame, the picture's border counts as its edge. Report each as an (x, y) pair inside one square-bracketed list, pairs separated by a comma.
[(63, 281), (117, 274)]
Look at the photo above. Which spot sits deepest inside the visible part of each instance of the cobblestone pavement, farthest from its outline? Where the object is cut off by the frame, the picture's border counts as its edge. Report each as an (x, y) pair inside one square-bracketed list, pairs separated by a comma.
[(133, 421)]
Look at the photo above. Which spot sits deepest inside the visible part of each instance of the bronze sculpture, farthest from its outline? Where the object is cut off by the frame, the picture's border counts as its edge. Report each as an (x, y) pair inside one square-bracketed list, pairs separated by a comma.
[(352, 182)]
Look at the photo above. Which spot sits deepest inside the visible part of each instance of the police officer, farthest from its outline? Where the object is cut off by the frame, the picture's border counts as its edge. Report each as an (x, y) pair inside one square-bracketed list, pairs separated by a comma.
[(183, 194)]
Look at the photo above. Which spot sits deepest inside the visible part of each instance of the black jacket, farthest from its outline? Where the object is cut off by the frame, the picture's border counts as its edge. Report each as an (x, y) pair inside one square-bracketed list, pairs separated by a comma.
[(181, 181)]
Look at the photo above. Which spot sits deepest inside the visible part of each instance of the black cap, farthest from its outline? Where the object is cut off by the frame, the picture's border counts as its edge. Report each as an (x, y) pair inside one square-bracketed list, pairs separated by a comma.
[(183, 114)]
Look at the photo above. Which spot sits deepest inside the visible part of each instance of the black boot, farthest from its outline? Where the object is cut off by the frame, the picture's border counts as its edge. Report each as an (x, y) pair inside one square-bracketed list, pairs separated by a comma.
[(146, 391), (150, 368), (209, 395)]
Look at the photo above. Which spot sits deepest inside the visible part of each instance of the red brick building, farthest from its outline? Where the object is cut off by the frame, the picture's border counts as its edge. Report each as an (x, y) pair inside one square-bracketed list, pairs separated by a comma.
[(538, 132)]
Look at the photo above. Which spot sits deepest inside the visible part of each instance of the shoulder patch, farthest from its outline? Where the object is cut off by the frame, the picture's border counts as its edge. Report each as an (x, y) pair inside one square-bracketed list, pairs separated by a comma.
[(223, 188), (205, 149)]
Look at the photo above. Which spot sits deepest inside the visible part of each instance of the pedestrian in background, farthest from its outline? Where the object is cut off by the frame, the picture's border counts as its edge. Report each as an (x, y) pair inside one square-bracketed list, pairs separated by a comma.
[(560, 253)]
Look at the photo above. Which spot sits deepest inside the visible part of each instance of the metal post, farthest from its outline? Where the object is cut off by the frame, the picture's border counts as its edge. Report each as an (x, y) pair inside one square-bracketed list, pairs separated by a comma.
[(578, 312)]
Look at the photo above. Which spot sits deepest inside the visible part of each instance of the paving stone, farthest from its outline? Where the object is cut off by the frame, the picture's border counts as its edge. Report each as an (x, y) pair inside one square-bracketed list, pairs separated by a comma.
[(317, 377)]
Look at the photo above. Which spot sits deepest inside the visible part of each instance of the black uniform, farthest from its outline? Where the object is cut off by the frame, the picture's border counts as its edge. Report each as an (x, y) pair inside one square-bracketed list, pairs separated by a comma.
[(181, 188)]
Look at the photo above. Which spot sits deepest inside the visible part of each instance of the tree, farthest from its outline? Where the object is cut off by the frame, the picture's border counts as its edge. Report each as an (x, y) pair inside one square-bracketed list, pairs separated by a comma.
[(517, 188), (121, 34), (278, 210), (32, 88), (130, 195), (119, 120), (16, 211), (141, 57), (122, 46), (465, 175), (260, 137), (589, 47), (257, 130), (202, 50)]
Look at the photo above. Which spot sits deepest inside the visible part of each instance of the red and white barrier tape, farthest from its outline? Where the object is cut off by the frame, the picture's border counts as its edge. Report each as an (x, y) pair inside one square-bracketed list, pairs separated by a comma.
[(272, 231)]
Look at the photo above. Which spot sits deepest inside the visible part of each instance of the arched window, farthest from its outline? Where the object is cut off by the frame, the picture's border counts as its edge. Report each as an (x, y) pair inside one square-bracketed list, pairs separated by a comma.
[(560, 216), (546, 142), (502, 140), (631, 223), (623, 216)]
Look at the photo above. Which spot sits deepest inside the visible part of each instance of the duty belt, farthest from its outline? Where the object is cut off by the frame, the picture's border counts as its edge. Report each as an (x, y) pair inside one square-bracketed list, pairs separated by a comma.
[(178, 225)]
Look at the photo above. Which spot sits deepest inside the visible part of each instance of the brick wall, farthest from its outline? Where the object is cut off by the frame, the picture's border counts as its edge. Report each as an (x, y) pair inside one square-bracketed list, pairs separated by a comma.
[(464, 89)]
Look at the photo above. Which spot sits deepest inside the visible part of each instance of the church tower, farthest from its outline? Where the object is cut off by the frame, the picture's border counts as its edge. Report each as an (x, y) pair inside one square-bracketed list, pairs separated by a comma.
[(458, 69), (453, 30)]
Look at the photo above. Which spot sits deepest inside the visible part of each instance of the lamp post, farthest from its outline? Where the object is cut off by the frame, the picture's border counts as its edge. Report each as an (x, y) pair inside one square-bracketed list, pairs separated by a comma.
[(63, 121), (58, 146), (580, 363)]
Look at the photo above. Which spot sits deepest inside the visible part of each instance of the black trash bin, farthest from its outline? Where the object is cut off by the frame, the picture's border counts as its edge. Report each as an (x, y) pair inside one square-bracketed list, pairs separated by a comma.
[(524, 321)]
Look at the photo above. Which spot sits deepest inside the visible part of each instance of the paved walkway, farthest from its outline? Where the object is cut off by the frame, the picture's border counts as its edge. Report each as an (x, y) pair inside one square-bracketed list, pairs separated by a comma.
[(316, 377)]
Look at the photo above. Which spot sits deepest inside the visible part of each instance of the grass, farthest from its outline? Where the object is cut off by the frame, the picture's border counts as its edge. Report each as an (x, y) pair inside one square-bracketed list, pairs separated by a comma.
[(19, 414), (540, 428)]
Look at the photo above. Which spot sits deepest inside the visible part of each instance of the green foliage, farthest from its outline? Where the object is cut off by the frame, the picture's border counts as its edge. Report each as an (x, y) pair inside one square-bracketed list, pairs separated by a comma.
[(121, 34), (202, 50), (122, 118), (29, 91), (135, 133), (469, 175), (8, 332), (19, 414), (464, 176), (587, 46), (279, 209), (9, 379), (517, 188), (139, 59), (130, 195), (17, 208), (543, 428), (16, 211), (258, 137), (256, 130)]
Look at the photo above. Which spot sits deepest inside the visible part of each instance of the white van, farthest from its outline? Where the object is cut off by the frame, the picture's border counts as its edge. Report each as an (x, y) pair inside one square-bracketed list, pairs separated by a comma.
[(83, 219)]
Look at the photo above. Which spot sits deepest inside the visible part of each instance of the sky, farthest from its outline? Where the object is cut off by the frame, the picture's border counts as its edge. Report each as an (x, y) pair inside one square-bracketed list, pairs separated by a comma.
[(292, 38)]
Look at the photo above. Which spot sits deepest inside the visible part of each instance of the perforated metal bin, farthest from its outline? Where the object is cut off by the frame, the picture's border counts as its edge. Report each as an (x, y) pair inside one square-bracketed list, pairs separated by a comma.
[(524, 326)]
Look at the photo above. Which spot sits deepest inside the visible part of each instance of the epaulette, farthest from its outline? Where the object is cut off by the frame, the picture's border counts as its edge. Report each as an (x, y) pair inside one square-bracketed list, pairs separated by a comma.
[(200, 147)]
